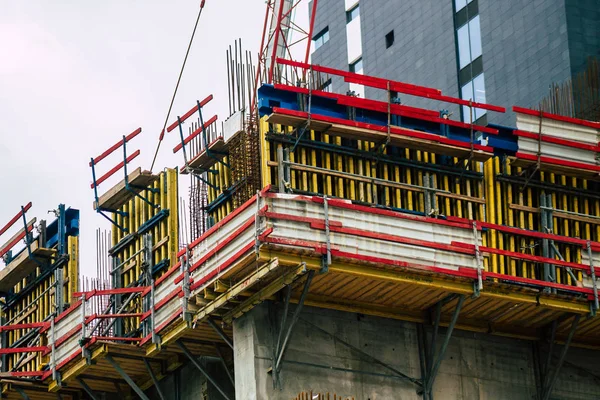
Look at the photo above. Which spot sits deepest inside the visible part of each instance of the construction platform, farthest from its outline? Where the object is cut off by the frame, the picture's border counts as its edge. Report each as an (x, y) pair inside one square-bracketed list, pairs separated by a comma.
[(339, 203)]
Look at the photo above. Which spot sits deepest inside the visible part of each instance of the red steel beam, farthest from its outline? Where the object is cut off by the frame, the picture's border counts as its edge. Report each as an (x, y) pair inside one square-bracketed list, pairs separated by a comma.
[(114, 169), (535, 234), (558, 161), (24, 326), (14, 242), (116, 146), (189, 113), (15, 218), (364, 79), (380, 128), (561, 118), (526, 257), (405, 112), (557, 140), (17, 350), (195, 133), (377, 105)]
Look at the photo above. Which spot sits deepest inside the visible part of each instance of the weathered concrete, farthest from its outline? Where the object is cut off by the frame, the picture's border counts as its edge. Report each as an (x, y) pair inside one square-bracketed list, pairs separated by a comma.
[(477, 366)]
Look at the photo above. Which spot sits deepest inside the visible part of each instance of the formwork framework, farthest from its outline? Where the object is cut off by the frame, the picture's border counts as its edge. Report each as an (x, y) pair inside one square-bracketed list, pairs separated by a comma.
[(365, 206)]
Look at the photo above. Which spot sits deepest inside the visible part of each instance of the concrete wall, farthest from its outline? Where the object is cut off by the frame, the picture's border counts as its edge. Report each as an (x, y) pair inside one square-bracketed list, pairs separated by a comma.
[(477, 366)]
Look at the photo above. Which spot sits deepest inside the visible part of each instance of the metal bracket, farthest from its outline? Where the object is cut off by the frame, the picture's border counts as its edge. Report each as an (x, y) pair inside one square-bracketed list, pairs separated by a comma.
[(194, 361), (129, 381), (548, 377), (282, 340), (327, 259), (154, 380), (185, 285), (479, 284), (593, 276), (430, 361)]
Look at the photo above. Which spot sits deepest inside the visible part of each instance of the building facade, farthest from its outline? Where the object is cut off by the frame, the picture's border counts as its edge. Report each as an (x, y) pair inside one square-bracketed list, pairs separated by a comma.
[(500, 52)]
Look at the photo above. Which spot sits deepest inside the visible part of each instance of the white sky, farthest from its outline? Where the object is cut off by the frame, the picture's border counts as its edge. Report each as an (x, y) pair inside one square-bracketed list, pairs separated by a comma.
[(77, 75)]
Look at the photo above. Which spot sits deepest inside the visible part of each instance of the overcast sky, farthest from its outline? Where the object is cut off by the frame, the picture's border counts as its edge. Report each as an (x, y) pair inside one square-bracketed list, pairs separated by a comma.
[(77, 75)]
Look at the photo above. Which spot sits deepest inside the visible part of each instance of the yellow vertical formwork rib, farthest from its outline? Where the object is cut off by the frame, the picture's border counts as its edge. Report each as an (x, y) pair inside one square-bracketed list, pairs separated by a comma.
[(512, 267), (173, 220), (489, 180), (73, 245), (498, 204), (313, 162), (265, 152), (339, 167), (360, 171)]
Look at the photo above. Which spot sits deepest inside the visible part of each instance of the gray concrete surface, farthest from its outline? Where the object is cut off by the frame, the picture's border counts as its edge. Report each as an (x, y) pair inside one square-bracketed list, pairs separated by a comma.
[(477, 366)]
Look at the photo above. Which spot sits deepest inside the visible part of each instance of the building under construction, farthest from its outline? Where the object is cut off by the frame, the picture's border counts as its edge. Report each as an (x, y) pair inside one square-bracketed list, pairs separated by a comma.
[(332, 247)]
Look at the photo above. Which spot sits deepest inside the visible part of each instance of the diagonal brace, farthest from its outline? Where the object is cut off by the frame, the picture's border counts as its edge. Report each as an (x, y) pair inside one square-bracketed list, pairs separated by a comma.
[(433, 360), (202, 370), (550, 378), (154, 380), (127, 378), (364, 355), (220, 332), (87, 389)]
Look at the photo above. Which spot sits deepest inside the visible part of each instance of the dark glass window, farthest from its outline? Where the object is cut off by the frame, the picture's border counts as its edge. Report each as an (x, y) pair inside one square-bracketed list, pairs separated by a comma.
[(321, 38), (352, 13), (357, 66), (389, 39)]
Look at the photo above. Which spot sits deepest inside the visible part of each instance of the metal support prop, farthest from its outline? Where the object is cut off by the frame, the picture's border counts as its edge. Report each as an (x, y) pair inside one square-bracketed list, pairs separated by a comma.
[(545, 242), (327, 260), (154, 380), (593, 274), (87, 389), (147, 265), (257, 223), (220, 332), (129, 381), (83, 325), (202, 370), (549, 378), (53, 349), (155, 336), (432, 361), (282, 341), (280, 170), (185, 285), (478, 259)]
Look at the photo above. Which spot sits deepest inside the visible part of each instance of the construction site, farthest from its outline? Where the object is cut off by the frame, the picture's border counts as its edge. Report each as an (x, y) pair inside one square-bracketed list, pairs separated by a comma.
[(320, 245)]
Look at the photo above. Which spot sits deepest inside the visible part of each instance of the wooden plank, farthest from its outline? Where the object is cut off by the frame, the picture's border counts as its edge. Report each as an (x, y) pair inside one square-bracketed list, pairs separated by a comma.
[(22, 265), (356, 133), (118, 195), (203, 161)]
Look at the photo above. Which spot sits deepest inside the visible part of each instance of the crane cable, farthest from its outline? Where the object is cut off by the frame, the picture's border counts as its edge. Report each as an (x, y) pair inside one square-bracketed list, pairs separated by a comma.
[(162, 132)]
